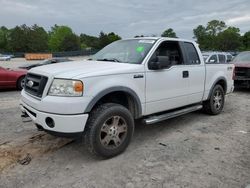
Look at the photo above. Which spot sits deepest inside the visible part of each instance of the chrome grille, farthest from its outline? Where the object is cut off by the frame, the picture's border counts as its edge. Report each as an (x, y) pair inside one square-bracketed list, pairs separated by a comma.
[(35, 84), (242, 72)]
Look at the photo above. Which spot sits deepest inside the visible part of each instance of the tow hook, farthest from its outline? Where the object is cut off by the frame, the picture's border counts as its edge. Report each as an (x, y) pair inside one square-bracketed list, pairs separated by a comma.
[(25, 117)]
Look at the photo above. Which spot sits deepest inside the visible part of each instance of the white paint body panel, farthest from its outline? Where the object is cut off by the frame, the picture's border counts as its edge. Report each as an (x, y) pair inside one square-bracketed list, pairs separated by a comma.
[(157, 91), (63, 123)]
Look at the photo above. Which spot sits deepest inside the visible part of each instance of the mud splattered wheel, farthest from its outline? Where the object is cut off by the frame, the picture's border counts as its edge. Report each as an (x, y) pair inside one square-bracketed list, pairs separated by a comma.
[(109, 130), (215, 104), (113, 132)]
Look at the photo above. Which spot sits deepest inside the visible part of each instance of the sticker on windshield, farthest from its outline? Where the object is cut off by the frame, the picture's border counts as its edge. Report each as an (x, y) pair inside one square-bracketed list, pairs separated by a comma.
[(147, 41), (140, 49)]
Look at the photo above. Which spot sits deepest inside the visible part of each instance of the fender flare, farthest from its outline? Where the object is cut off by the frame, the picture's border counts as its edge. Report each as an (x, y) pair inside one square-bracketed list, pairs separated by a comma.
[(114, 89), (215, 82)]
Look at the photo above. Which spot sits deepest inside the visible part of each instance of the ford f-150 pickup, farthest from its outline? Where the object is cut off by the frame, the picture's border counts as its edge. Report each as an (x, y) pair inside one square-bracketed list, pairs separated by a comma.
[(152, 79)]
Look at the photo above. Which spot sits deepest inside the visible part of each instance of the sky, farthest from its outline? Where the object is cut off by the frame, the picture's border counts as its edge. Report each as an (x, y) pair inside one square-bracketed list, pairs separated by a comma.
[(126, 17)]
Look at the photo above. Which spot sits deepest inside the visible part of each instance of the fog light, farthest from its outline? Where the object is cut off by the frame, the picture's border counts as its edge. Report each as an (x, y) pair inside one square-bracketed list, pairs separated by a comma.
[(50, 122)]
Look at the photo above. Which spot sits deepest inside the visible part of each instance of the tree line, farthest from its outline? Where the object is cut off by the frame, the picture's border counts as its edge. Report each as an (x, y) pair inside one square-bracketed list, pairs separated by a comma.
[(216, 35), (60, 38)]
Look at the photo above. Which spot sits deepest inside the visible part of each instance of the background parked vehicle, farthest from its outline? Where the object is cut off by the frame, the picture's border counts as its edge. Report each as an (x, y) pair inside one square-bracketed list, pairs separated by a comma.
[(5, 57), (217, 57), (12, 78), (242, 70), (45, 62)]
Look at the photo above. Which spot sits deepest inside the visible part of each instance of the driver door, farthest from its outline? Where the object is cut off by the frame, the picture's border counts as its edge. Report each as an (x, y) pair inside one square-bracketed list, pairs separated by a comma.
[(167, 88)]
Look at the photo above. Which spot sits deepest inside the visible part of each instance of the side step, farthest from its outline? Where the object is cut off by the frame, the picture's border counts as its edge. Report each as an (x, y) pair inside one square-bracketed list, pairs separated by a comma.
[(162, 117)]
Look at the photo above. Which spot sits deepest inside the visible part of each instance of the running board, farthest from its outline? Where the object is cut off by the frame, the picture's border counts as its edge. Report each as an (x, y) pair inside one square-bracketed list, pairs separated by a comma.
[(162, 117)]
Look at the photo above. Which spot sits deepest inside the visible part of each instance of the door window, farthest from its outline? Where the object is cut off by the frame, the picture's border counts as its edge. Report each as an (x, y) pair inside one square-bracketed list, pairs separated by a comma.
[(169, 51)]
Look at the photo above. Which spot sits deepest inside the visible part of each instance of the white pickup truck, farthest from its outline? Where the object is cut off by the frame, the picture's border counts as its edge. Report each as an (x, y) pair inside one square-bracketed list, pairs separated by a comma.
[(142, 78)]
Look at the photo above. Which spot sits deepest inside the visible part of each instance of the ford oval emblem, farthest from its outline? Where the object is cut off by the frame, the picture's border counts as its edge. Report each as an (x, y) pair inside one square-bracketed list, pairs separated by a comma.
[(30, 83)]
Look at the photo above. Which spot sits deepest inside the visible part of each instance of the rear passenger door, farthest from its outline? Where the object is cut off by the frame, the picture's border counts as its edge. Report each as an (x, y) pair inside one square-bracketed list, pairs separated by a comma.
[(196, 72)]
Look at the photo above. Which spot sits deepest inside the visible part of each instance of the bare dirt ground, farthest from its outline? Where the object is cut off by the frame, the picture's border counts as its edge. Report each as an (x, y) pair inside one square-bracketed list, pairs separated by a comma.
[(194, 150)]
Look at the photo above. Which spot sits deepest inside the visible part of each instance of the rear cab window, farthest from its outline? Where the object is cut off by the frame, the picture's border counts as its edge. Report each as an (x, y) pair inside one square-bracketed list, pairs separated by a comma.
[(192, 54)]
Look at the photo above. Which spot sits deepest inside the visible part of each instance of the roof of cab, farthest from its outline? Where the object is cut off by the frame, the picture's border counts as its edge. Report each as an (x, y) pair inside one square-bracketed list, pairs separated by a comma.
[(160, 38)]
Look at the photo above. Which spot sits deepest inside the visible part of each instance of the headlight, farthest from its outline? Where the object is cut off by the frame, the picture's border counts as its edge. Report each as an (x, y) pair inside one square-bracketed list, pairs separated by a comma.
[(66, 88)]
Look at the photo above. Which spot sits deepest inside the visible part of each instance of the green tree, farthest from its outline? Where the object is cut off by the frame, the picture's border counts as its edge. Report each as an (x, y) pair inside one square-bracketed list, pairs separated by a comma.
[(215, 26), (218, 36), (137, 36), (201, 36), (88, 41), (169, 33), (70, 43), (27, 39), (18, 39), (38, 39), (229, 39), (3, 38), (105, 39), (246, 40), (57, 36)]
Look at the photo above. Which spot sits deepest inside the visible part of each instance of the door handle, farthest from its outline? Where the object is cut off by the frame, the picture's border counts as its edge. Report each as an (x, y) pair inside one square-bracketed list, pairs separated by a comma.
[(185, 74), (138, 76)]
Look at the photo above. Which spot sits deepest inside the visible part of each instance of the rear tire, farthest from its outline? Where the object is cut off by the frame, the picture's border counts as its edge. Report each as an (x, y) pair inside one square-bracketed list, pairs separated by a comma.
[(214, 105), (20, 83), (109, 130)]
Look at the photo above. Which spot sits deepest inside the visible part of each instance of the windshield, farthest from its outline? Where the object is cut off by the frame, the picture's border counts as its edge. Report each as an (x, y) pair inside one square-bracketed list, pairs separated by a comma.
[(125, 51), (243, 57)]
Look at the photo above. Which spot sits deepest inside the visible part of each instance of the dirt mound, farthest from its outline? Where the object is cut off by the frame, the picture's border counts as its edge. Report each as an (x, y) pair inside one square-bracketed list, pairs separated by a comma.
[(23, 150)]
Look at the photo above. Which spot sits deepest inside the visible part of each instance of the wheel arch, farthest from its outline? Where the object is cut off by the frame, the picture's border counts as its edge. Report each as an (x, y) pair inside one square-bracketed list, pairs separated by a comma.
[(133, 101), (219, 81), (18, 79)]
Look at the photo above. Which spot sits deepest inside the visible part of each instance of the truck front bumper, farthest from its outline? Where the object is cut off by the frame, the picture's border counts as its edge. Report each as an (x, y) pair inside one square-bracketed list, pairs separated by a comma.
[(57, 123)]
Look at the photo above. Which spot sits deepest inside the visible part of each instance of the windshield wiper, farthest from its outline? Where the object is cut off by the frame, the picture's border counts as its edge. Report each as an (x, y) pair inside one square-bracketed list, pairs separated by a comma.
[(109, 59)]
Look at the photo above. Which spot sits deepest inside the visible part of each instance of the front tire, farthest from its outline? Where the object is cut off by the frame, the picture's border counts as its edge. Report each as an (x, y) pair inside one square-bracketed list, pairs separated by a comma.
[(20, 83), (109, 130), (215, 104)]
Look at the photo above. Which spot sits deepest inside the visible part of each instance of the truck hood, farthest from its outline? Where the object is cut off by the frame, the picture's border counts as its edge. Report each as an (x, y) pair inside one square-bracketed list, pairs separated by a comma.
[(242, 64), (81, 69)]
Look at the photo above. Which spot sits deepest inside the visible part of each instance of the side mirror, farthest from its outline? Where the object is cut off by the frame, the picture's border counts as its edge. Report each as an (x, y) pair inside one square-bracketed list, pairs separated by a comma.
[(160, 62)]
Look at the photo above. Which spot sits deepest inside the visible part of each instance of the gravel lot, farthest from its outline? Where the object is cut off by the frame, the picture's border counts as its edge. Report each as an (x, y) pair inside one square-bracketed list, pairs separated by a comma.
[(194, 150)]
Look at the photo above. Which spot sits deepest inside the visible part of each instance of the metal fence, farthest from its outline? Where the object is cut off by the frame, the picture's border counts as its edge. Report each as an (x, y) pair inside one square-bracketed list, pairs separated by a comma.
[(74, 53)]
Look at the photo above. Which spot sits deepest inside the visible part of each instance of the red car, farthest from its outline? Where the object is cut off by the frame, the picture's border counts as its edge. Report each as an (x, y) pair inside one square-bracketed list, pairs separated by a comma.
[(242, 70), (12, 78)]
